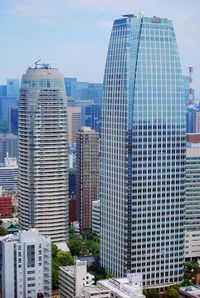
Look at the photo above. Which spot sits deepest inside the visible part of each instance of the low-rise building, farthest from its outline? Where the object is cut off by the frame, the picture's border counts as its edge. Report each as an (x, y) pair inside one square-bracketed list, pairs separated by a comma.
[(73, 278), (190, 292), (95, 291), (131, 286)]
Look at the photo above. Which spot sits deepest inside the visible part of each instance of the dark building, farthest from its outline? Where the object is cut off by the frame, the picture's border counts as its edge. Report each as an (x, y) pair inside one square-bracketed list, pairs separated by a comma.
[(13, 120), (91, 117)]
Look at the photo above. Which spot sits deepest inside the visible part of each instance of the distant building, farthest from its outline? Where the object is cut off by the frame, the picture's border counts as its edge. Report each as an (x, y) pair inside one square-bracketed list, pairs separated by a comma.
[(26, 265), (128, 287), (9, 174), (6, 209), (91, 117), (197, 122), (13, 87), (6, 102), (96, 220), (13, 120), (73, 278), (190, 120), (8, 144), (81, 91), (74, 123), (87, 174)]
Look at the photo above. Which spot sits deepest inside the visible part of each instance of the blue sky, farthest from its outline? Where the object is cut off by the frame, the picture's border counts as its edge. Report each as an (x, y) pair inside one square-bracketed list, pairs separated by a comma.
[(74, 34)]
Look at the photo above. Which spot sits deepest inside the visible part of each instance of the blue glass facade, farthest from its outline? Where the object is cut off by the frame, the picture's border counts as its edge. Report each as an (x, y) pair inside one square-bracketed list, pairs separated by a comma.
[(143, 153)]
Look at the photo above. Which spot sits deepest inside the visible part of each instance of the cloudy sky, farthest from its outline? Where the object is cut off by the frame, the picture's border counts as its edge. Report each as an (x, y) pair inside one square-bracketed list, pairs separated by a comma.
[(73, 34)]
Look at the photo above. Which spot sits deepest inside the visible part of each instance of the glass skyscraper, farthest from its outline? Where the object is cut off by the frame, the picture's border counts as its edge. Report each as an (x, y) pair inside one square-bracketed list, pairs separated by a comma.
[(43, 153), (142, 155)]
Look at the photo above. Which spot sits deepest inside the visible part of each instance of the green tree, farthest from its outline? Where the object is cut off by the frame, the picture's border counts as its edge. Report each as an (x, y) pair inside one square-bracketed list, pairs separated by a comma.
[(172, 292), (59, 258), (3, 231)]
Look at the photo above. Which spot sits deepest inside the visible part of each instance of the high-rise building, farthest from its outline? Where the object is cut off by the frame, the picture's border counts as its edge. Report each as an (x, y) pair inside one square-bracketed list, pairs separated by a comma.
[(43, 152), (192, 194), (142, 152), (13, 120), (74, 123), (13, 87), (91, 117), (87, 174), (26, 265)]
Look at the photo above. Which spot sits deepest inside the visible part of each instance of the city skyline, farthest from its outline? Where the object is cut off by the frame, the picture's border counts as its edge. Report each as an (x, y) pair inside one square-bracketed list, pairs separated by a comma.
[(75, 35)]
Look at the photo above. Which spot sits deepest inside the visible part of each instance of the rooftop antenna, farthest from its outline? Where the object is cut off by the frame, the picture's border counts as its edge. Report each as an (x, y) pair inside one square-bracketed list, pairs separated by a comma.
[(35, 63)]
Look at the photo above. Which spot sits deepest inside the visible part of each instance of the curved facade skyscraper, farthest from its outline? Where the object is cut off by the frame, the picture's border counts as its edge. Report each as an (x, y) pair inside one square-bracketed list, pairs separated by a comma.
[(43, 152), (142, 167)]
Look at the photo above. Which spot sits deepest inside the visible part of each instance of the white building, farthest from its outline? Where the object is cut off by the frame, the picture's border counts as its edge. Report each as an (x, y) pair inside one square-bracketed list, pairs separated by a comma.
[(9, 173), (131, 286), (192, 202), (73, 278), (26, 265), (96, 221), (95, 291), (43, 152)]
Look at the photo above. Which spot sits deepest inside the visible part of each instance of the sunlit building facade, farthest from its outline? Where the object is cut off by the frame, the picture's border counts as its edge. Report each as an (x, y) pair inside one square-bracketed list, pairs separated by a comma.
[(142, 153)]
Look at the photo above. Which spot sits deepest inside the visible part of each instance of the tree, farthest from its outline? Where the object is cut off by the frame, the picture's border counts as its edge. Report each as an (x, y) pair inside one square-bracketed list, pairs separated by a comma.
[(152, 293), (59, 258), (3, 231), (172, 292)]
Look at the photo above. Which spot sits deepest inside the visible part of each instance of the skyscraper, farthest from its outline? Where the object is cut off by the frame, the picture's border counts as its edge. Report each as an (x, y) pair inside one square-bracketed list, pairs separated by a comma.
[(87, 174), (142, 152), (43, 152)]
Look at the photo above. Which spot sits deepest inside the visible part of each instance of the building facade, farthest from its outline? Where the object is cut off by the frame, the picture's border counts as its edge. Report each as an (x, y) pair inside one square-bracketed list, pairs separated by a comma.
[(26, 265), (73, 278), (8, 145), (87, 174), (142, 167), (74, 123), (96, 217), (43, 153), (192, 203)]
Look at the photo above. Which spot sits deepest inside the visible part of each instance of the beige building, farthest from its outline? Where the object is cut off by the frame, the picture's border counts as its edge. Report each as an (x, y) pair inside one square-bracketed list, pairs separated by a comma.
[(74, 123), (87, 174), (73, 278)]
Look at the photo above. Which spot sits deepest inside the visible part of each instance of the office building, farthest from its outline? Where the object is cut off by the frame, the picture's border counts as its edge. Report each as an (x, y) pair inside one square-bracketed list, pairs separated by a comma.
[(26, 265), (73, 278), (74, 123), (9, 174), (6, 103), (43, 152), (13, 87), (8, 145), (82, 91), (192, 195), (142, 169), (91, 117), (130, 286), (13, 120), (87, 174), (96, 220)]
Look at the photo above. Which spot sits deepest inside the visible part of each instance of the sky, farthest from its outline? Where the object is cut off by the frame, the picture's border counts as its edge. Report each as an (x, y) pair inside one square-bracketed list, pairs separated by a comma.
[(74, 34)]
